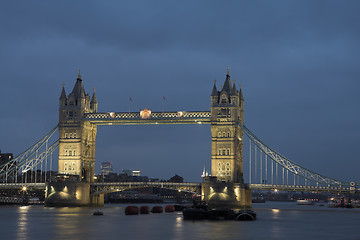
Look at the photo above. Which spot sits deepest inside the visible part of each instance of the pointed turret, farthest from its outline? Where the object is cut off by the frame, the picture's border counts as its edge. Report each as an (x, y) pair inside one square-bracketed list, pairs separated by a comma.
[(227, 84), (94, 102), (93, 99), (233, 90), (63, 94), (214, 91), (78, 90), (241, 95), (63, 99)]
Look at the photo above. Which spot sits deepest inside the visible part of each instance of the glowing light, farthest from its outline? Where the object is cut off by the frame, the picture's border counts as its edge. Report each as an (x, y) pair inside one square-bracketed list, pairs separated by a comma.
[(112, 114), (275, 190), (240, 139), (144, 114), (180, 114), (24, 188), (274, 210), (24, 207), (199, 122)]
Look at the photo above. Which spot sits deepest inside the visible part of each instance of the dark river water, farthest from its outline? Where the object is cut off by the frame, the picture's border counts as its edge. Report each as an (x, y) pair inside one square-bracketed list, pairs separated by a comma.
[(276, 220)]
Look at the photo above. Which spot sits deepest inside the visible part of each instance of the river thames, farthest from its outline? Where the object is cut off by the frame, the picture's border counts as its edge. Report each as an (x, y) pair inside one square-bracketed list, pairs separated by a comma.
[(276, 220)]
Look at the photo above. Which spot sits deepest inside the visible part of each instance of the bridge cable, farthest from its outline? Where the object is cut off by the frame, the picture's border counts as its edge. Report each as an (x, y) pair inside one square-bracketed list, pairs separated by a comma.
[(291, 166)]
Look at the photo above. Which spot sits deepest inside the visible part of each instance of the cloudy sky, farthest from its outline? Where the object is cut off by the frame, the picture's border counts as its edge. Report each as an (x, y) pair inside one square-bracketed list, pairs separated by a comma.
[(298, 63)]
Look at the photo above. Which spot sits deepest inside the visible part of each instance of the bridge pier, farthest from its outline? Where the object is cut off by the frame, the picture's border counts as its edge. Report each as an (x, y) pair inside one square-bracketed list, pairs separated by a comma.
[(69, 194), (225, 194), (97, 200)]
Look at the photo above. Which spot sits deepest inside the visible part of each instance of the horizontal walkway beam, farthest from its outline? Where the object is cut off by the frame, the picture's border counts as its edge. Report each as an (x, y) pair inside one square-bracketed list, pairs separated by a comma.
[(136, 118)]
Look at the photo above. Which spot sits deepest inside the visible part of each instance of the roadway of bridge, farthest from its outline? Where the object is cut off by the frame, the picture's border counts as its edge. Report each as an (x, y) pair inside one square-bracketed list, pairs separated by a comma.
[(119, 186), (295, 188)]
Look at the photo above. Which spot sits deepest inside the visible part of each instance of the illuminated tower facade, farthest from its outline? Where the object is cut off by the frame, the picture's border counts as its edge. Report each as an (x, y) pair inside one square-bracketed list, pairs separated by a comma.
[(227, 112), (77, 137)]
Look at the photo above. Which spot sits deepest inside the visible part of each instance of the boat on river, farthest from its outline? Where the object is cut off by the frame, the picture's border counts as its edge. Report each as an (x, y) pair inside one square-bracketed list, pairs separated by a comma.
[(304, 202), (201, 211)]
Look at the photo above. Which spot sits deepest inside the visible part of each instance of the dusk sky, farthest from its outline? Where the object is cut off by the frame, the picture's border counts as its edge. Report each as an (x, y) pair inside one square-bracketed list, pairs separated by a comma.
[(298, 63)]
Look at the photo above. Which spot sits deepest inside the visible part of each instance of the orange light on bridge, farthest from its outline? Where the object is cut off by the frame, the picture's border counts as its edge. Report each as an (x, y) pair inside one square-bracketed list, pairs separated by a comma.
[(180, 114), (144, 114)]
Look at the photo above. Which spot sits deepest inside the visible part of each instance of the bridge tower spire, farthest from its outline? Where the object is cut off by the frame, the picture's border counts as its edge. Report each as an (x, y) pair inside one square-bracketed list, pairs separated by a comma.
[(77, 137), (227, 111)]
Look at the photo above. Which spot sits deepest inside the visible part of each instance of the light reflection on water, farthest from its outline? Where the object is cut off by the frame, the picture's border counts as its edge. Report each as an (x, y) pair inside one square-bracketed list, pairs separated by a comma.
[(275, 221), (22, 231)]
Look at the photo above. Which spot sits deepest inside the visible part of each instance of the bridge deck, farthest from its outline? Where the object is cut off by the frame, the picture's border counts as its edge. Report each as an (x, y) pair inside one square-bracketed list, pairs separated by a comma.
[(20, 185), (109, 186), (295, 188)]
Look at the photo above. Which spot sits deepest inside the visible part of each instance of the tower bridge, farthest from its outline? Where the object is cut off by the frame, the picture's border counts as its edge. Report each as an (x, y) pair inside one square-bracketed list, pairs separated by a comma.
[(77, 127)]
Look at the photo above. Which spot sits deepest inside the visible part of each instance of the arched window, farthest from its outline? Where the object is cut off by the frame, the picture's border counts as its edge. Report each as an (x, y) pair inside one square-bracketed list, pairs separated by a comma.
[(224, 134), (74, 135), (228, 151), (66, 135), (223, 152), (228, 134), (70, 153), (219, 152), (219, 134)]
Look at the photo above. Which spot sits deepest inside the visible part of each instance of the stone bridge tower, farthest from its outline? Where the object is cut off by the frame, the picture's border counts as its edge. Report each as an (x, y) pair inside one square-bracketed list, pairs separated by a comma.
[(227, 112), (77, 137)]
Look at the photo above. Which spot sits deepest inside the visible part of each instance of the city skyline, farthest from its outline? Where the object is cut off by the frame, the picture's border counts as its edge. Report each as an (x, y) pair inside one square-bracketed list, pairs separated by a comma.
[(297, 63)]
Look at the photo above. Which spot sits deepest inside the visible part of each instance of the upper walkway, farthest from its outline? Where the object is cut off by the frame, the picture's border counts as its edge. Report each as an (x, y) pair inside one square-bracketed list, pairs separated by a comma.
[(148, 117)]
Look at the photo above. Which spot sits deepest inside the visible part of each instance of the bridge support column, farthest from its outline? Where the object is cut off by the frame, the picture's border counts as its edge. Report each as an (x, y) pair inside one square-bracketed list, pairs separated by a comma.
[(97, 200), (225, 194), (67, 194)]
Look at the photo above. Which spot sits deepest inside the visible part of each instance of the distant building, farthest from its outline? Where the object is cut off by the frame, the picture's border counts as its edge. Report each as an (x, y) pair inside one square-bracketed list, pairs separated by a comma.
[(127, 172), (176, 179), (5, 157), (136, 173), (106, 168)]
